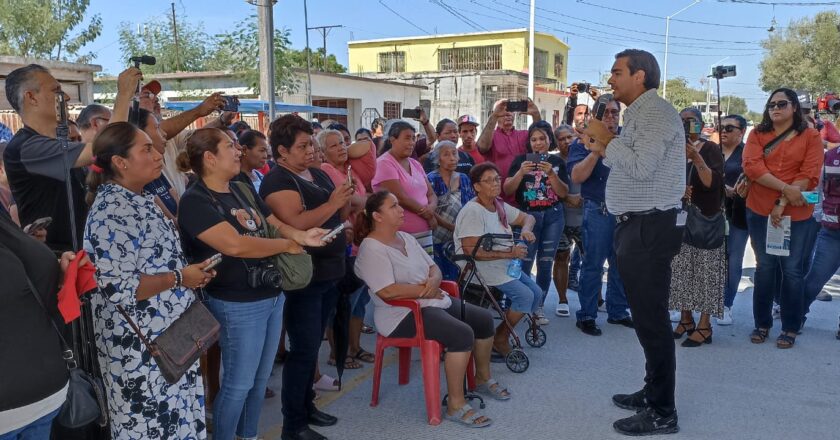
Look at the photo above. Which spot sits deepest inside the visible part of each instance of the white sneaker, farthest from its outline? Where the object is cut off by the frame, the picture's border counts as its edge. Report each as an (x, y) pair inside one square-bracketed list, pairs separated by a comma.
[(675, 316), (727, 317), (777, 311), (540, 317), (562, 310)]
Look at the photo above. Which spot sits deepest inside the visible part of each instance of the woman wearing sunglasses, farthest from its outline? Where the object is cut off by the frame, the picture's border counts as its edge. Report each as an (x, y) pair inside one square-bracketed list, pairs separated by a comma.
[(782, 158)]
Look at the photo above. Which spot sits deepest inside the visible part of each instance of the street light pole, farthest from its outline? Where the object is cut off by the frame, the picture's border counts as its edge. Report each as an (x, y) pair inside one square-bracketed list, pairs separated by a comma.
[(709, 89), (531, 53), (667, 33)]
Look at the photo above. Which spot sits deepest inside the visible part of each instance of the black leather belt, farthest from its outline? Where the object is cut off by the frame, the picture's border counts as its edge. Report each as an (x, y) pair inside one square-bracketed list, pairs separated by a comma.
[(628, 215)]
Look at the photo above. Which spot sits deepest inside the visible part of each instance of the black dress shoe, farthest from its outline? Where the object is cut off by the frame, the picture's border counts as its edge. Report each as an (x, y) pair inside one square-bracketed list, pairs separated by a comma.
[(627, 322), (647, 422), (303, 434), (589, 327), (634, 402), (320, 418)]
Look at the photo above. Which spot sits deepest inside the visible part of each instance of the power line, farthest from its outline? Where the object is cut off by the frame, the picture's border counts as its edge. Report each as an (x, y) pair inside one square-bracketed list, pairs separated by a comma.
[(458, 15), (756, 2), (404, 19), (739, 26), (638, 31)]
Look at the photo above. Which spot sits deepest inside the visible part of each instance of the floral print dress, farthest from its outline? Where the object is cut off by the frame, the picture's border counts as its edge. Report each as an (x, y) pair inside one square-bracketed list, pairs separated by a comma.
[(127, 235)]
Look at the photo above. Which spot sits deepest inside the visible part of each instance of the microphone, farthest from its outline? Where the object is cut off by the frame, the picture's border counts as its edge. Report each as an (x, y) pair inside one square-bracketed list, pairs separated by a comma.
[(143, 59), (601, 106)]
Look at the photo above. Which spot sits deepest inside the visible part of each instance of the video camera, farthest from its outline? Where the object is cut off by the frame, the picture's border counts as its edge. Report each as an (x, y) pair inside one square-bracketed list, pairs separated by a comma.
[(829, 102), (721, 72)]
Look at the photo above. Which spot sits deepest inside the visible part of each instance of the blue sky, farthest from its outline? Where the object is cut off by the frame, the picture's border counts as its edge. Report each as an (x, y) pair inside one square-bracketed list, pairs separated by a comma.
[(594, 29)]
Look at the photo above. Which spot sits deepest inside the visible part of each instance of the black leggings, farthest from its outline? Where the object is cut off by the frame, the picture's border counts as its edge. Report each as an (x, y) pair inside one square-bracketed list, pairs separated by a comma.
[(445, 326)]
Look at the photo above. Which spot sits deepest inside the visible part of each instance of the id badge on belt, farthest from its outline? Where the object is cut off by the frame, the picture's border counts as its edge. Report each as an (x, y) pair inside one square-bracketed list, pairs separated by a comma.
[(682, 216)]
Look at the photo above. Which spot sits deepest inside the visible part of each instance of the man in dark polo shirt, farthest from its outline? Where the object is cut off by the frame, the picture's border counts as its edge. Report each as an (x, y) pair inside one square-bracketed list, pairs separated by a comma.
[(34, 158)]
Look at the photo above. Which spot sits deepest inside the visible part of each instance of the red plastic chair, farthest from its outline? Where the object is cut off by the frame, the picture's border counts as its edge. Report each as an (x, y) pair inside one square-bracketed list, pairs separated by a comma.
[(429, 354)]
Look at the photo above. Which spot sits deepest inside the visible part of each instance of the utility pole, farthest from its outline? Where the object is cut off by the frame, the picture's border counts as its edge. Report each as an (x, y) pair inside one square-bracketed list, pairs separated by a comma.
[(175, 32), (324, 30), (265, 19), (531, 52), (308, 56), (667, 33)]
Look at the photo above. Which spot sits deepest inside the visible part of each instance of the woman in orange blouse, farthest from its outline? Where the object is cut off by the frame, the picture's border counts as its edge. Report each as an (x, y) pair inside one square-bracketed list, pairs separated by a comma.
[(779, 173)]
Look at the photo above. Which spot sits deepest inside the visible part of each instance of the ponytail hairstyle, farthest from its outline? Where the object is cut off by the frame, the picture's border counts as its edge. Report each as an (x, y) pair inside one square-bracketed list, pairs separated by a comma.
[(200, 142), (394, 131), (115, 140), (364, 221)]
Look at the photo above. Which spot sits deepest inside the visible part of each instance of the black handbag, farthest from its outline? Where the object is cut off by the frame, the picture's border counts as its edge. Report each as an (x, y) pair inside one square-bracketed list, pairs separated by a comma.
[(180, 345), (85, 402), (701, 231)]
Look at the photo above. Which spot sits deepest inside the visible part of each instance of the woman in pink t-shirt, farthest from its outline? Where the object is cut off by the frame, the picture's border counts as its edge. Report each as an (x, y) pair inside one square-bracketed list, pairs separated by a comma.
[(404, 177)]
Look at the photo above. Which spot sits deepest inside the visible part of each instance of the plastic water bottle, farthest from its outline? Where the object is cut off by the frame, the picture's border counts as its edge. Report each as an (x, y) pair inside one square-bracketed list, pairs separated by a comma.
[(514, 269)]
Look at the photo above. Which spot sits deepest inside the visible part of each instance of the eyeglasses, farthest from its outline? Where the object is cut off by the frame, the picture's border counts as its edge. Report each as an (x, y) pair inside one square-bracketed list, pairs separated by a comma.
[(612, 112), (730, 128), (496, 179), (777, 104)]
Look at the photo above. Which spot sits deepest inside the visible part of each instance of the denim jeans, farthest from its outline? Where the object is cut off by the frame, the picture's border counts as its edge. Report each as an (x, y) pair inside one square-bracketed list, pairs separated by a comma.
[(548, 230), (524, 294), (305, 314), (37, 430), (826, 263), (736, 245), (792, 294), (359, 301), (249, 339), (576, 263), (598, 229)]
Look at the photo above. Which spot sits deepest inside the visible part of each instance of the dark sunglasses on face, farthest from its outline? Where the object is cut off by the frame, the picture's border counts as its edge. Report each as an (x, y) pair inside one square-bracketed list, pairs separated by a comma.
[(777, 104), (730, 128)]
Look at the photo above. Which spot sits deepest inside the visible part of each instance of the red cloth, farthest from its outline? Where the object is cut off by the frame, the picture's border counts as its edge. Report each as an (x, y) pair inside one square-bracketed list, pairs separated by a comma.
[(830, 133), (77, 281), (265, 169)]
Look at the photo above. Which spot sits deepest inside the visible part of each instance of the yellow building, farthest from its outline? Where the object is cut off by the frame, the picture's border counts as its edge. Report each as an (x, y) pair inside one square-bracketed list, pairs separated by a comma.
[(481, 51)]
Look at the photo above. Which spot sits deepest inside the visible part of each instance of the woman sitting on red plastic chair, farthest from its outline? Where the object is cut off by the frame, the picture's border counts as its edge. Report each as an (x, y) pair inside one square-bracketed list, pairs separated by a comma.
[(395, 266)]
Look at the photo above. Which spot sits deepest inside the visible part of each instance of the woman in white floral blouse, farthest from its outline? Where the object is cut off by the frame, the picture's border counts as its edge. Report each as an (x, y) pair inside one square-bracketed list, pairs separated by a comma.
[(140, 266)]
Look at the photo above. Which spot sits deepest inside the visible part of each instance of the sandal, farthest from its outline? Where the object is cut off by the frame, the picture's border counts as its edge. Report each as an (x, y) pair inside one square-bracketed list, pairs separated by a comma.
[(707, 339), (785, 340), (368, 330), (349, 363), (468, 417), (326, 383), (493, 389), (687, 327), (759, 335), (365, 356)]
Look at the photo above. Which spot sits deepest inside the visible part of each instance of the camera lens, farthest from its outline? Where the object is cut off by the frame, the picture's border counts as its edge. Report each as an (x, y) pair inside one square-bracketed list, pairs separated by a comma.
[(271, 278), (583, 87)]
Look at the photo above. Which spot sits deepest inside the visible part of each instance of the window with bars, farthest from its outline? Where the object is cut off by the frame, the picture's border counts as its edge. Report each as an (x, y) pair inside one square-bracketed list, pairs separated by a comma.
[(391, 109), (559, 61), (540, 63), (391, 62), (470, 58)]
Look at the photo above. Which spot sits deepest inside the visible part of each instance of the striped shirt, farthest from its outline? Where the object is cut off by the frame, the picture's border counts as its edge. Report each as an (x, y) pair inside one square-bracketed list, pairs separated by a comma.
[(647, 160)]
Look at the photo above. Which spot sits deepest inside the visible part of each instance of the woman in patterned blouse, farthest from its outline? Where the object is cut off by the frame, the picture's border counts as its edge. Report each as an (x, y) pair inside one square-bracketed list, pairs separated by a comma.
[(140, 266)]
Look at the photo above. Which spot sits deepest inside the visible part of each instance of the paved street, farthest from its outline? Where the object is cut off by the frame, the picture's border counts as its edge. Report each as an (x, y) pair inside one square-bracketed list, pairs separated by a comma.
[(730, 389)]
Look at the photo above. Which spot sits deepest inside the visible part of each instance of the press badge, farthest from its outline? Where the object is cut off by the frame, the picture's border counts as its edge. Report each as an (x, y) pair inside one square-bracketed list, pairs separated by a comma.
[(682, 216)]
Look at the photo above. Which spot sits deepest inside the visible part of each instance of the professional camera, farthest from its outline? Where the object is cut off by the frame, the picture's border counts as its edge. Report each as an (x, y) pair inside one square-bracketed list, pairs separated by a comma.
[(264, 275), (720, 72), (829, 102), (583, 87)]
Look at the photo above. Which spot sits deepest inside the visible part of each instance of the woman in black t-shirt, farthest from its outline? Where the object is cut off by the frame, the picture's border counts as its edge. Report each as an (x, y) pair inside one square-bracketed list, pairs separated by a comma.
[(305, 197), (216, 215), (540, 182)]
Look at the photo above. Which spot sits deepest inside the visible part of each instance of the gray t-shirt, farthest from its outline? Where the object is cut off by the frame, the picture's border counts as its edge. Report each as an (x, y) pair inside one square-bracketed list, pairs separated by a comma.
[(380, 265), (475, 220)]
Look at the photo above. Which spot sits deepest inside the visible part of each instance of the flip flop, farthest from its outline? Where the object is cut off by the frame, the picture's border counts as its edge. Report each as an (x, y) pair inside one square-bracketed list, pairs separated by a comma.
[(488, 390), (368, 330), (365, 356), (325, 383), (469, 421)]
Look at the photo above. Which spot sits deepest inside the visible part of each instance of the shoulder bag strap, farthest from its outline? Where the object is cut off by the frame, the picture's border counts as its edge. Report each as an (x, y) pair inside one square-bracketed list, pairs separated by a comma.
[(775, 142), (239, 186), (67, 352), (137, 331)]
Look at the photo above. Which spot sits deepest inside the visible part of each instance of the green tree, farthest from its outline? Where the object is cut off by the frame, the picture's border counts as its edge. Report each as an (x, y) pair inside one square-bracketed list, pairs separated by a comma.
[(681, 95), (805, 56), (156, 37), (53, 29), (733, 105), (298, 59)]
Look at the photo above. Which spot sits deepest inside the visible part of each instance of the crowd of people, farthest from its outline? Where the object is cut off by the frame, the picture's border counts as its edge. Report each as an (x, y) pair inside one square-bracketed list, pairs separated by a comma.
[(169, 216)]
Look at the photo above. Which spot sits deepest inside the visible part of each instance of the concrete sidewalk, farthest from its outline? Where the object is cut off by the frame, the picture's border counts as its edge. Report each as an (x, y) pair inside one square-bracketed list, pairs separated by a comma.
[(731, 389)]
